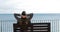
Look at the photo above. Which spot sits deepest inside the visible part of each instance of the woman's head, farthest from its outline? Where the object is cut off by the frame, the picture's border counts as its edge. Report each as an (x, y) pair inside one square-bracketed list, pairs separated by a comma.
[(23, 14)]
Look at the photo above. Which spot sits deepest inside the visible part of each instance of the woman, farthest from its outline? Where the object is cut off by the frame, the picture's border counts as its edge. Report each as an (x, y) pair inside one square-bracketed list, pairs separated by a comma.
[(24, 20)]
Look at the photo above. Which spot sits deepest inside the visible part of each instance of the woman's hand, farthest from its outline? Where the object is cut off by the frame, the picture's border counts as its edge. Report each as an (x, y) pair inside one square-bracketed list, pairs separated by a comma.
[(26, 22)]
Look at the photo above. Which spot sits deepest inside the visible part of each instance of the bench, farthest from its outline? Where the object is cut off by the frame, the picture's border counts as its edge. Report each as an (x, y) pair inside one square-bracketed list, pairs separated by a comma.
[(37, 27)]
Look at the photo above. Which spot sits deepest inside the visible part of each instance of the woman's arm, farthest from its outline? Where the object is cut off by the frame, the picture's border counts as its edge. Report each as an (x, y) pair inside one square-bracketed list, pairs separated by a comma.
[(30, 15), (16, 16)]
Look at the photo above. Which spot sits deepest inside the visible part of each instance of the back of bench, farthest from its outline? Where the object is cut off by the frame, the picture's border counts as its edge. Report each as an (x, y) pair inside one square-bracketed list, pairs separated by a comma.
[(37, 27)]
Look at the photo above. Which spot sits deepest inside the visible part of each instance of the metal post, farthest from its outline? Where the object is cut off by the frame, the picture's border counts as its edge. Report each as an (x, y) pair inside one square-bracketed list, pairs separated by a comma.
[(1, 26)]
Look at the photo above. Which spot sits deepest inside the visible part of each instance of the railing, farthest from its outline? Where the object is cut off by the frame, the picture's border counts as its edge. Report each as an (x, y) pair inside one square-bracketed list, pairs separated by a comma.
[(7, 25)]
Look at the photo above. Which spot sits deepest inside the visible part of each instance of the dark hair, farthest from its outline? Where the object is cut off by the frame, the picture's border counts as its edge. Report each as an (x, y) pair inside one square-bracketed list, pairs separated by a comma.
[(24, 13)]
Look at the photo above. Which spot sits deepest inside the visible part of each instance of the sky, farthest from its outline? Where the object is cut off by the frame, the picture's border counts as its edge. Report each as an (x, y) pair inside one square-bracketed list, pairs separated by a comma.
[(30, 6)]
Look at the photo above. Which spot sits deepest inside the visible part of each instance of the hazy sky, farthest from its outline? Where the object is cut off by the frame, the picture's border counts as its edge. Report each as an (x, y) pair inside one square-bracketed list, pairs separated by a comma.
[(30, 6)]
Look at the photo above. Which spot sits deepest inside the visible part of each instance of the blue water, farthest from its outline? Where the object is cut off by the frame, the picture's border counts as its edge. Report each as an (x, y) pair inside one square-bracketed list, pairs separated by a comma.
[(7, 20), (35, 16)]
